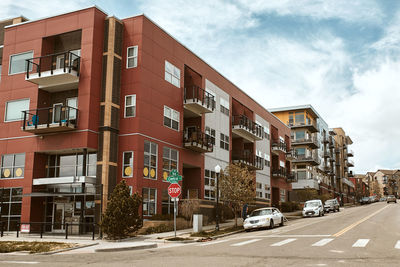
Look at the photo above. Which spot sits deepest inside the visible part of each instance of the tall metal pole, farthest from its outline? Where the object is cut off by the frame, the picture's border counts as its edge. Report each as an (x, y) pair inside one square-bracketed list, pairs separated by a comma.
[(175, 215), (217, 209)]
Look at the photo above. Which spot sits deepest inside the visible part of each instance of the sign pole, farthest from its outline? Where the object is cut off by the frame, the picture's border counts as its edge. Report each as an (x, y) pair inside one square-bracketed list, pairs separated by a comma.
[(175, 216)]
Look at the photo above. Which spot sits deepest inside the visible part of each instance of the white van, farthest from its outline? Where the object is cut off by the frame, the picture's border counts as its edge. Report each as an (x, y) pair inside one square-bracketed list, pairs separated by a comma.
[(313, 208)]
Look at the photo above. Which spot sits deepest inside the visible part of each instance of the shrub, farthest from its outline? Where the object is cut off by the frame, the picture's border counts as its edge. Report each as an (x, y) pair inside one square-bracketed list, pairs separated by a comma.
[(122, 215), (159, 229), (289, 206)]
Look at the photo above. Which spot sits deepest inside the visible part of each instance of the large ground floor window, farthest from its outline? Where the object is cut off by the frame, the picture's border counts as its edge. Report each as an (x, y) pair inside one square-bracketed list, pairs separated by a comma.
[(11, 202), (149, 201)]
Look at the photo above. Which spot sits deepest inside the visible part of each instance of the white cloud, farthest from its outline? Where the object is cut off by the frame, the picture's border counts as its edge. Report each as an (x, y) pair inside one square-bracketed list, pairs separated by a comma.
[(391, 39), (352, 11)]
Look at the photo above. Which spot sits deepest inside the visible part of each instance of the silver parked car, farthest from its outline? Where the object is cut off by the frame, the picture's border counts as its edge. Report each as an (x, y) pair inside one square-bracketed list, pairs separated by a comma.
[(263, 218), (331, 205), (313, 208)]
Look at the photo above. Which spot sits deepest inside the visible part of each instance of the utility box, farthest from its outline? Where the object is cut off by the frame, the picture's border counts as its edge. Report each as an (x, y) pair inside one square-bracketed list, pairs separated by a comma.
[(197, 223)]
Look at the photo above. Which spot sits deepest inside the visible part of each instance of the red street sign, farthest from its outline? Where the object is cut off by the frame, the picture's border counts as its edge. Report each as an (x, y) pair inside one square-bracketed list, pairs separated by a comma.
[(174, 190)]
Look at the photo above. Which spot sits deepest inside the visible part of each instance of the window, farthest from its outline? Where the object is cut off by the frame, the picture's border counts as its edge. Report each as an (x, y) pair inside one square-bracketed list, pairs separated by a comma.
[(267, 192), (170, 161), (290, 118), (299, 117), (301, 175), (224, 105), (18, 63), (150, 160), (167, 206), (224, 142), (266, 132), (130, 190), (171, 118), (11, 203), (267, 160), (14, 109), (127, 164), (282, 195), (13, 166), (210, 133), (301, 151), (209, 184), (259, 192), (300, 135), (131, 57), (149, 201), (172, 74), (130, 106), (71, 165)]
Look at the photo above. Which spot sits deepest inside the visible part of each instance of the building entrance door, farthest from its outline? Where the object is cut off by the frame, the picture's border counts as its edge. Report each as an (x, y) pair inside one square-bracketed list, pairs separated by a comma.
[(61, 213)]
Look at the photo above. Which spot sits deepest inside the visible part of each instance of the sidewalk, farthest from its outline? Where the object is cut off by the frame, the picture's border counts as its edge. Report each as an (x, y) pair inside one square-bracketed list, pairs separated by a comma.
[(87, 245)]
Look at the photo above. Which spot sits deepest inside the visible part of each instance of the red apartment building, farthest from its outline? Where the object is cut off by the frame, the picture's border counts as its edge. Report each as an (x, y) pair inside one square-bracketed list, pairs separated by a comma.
[(87, 100)]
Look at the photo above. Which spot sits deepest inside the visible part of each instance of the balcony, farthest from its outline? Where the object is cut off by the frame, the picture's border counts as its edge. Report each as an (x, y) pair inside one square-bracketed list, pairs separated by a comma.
[(313, 160), (197, 101), (197, 141), (327, 169), (291, 177), (249, 160), (278, 146), (50, 120), (56, 72), (350, 163), (350, 153), (325, 140), (291, 155), (279, 173), (312, 142), (327, 154), (311, 126), (246, 128)]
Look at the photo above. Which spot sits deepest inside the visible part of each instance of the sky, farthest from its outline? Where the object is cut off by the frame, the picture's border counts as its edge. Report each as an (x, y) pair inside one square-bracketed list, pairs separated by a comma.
[(340, 56)]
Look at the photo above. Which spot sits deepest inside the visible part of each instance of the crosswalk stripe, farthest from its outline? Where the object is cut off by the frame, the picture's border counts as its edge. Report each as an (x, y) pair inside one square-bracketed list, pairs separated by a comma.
[(284, 242), (245, 242), (213, 242), (322, 242), (360, 243), (397, 245)]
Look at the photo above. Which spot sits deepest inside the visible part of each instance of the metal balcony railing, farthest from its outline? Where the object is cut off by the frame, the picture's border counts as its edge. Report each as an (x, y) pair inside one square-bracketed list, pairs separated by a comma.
[(291, 154), (245, 123), (198, 95), (67, 61), (278, 145), (44, 119), (311, 141), (311, 126), (197, 141), (291, 177), (248, 159), (314, 160), (281, 172)]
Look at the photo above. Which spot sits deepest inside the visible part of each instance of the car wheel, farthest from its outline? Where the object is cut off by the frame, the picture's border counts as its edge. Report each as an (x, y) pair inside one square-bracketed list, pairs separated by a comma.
[(323, 213), (281, 224), (319, 214), (338, 209), (271, 224), (247, 230)]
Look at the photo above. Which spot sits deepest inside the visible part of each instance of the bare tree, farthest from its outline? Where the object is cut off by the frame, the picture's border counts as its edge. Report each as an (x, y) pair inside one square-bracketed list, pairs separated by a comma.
[(237, 187)]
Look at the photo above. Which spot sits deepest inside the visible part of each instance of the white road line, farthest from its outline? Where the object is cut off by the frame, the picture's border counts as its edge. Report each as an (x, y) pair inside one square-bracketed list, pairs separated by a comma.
[(284, 242), (360, 243), (397, 245), (213, 242), (245, 242), (322, 242), (21, 262)]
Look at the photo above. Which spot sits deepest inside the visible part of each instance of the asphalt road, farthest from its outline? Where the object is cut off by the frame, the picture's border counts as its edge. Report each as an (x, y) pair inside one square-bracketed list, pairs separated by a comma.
[(361, 236)]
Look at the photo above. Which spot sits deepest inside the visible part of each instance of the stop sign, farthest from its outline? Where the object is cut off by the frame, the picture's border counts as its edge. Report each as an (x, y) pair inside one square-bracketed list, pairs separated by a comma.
[(174, 190)]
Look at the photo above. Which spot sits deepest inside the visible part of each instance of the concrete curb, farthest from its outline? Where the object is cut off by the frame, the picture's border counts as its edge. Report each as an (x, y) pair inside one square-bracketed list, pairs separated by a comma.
[(66, 249), (126, 248)]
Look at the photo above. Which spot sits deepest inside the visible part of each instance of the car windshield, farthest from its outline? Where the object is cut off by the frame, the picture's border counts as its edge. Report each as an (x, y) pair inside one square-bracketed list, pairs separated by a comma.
[(311, 204), (391, 196), (329, 201), (261, 212)]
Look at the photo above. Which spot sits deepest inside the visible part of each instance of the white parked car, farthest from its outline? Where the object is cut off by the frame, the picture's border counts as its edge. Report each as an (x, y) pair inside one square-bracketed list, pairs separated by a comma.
[(313, 208), (263, 218)]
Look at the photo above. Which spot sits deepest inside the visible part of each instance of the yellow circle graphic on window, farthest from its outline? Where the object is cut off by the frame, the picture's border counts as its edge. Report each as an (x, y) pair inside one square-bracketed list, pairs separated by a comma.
[(18, 172), (152, 173), (165, 176), (128, 171), (146, 171), (7, 173)]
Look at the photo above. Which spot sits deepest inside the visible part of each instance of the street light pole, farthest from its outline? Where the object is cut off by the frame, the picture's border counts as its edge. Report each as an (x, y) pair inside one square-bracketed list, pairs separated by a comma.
[(319, 186), (217, 171)]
